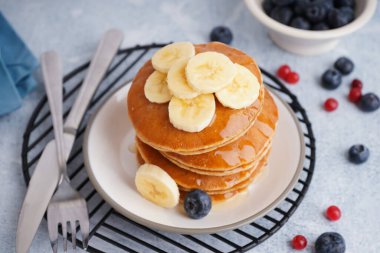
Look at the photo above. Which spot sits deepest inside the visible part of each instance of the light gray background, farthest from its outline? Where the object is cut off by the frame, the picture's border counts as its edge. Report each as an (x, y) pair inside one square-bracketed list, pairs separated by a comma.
[(73, 29)]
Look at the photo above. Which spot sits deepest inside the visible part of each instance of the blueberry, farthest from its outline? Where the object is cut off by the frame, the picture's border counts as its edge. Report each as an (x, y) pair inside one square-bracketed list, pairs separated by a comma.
[(300, 6), (358, 154), (343, 3), (330, 242), (197, 204), (298, 10), (329, 4), (267, 6), (315, 14), (303, 4), (331, 79), (221, 34), (348, 12), (282, 14), (369, 102), (300, 23), (283, 2), (320, 27), (337, 18), (344, 65)]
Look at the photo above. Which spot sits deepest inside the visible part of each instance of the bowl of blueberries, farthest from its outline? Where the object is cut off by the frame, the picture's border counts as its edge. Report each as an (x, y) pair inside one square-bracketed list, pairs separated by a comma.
[(311, 27)]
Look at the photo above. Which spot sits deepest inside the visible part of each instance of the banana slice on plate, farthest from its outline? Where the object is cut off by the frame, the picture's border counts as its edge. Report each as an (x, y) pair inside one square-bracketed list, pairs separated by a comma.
[(156, 88), (164, 58), (210, 71), (192, 115), (177, 82), (242, 92), (154, 184)]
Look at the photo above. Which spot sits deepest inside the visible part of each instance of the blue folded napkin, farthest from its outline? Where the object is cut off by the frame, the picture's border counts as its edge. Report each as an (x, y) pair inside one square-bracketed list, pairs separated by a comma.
[(17, 64)]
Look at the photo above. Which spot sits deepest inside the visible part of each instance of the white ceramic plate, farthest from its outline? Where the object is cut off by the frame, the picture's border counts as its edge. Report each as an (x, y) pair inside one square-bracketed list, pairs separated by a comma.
[(111, 167)]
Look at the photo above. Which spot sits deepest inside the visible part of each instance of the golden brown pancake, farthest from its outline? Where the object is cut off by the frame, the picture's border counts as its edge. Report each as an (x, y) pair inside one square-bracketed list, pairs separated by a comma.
[(243, 151), (187, 179), (151, 120), (219, 196)]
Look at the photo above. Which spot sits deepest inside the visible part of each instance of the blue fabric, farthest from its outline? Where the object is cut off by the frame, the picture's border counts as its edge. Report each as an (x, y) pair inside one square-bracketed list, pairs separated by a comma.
[(17, 64)]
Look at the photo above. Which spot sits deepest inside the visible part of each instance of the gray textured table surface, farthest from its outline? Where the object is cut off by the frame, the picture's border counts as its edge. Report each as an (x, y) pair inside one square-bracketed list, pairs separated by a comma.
[(73, 29)]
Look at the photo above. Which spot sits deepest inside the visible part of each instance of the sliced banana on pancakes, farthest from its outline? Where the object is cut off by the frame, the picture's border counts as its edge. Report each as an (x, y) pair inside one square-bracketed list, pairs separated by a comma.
[(164, 58), (192, 115), (210, 71), (154, 184), (177, 82), (242, 91), (156, 88)]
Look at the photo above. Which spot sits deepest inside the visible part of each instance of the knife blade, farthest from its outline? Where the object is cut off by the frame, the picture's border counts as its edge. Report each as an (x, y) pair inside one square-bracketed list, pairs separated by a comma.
[(46, 174)]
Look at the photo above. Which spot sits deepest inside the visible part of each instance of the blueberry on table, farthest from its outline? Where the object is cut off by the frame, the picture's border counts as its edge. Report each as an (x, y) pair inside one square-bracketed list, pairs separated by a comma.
[(315, 14), (283, 2), (358, 154), (222, 34), (344, 65), (300, 23), (282, 14), (331, 79), (320, 27), (337, 18), (197, 204), (267, 6), (343, 3), (369, 102), (330, 242)]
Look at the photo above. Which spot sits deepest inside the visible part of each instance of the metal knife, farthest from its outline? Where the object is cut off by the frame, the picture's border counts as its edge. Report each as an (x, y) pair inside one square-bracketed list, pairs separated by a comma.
[(46, 174)]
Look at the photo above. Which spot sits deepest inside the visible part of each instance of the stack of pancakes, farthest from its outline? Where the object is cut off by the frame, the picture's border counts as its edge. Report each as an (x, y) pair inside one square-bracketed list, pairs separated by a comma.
[(225, 157)]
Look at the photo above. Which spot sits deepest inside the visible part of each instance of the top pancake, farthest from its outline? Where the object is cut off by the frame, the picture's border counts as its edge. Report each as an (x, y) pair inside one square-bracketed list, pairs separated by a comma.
[(244, 150), (151, 120)]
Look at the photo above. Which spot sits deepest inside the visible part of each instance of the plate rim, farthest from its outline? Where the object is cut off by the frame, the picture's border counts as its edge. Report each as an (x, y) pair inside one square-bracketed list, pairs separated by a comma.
[(189, 231)]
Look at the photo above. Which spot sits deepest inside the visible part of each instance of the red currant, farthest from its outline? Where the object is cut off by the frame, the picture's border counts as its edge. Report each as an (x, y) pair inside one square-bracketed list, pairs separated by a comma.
[(299, 242), (356, 83), (355, 94), (292, 78), (283, 71), (333, 213), (331, 104)]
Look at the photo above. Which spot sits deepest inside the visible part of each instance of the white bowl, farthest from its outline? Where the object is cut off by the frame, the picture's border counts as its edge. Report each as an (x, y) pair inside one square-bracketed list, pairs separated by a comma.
[(306, 42)]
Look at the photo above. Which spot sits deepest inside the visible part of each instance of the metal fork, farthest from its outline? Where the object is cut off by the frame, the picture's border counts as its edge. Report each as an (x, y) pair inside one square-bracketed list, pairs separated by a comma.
[(67, 207)]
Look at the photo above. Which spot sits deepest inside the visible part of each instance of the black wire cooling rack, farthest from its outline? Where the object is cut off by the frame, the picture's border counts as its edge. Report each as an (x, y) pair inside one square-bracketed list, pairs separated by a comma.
[(112, 232)]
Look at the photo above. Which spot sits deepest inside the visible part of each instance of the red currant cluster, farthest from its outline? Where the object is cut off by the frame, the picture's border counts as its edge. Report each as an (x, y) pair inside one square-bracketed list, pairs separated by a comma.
[(333, 213), (286, 74), (356, 91)]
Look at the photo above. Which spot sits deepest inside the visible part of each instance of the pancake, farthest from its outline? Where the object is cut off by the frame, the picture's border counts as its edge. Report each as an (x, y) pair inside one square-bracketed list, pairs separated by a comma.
[(219, 196), (241, 168), (244, 150), (151, 120), (187, 179)]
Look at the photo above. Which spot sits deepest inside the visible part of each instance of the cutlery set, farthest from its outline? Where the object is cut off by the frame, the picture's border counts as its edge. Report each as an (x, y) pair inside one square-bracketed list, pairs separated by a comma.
[(49, 188)]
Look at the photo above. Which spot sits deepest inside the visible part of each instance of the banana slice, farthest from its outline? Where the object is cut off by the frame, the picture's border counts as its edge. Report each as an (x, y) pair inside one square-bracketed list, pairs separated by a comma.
[(192, 115), (164, 58), (209, 72), (156, 88), (177, 82), (242, 92), (154, 184)]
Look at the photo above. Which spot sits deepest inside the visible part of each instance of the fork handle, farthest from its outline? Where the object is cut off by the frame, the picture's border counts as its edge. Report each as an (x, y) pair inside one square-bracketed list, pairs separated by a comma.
[(104, 54), (52, 74)]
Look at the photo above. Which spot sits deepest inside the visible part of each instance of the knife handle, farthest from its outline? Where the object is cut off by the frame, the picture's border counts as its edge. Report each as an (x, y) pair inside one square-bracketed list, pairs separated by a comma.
[(52, 74), (104, 54)]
